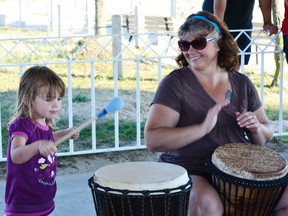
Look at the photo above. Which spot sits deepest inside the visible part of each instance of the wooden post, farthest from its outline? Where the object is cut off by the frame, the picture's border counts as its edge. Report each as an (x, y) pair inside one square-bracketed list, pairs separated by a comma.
[(59, 21), (136, 20), (173, 9), (116, 44)]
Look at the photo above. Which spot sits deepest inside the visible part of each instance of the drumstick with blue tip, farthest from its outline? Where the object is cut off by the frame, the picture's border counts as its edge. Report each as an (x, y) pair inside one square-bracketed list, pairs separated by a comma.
[(113, 105)]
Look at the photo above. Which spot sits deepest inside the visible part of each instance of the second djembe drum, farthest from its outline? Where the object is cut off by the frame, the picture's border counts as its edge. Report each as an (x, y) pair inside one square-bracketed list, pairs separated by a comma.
[(250, 179)]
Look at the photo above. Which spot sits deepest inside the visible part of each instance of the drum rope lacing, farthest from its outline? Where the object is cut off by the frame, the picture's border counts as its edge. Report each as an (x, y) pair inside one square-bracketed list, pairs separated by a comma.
[(240, 196), (182, 192), (251, 183)]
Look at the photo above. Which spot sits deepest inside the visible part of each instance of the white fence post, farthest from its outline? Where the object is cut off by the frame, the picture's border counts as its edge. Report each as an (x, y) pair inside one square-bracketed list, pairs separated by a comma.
[(117, 43), (59, 21), (173, 8), (1, 146), (139, 23)]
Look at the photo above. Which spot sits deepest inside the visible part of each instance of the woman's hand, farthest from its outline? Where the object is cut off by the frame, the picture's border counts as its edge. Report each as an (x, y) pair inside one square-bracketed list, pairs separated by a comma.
[(248, 120), (212, 115), (258, 123)]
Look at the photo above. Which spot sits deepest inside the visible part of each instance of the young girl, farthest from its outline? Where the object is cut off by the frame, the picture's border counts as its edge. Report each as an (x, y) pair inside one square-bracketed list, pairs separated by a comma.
[(31, 153)]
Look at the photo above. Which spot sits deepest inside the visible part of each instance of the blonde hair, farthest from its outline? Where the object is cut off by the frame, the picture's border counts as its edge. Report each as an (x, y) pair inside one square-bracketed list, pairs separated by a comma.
[(31, 84)]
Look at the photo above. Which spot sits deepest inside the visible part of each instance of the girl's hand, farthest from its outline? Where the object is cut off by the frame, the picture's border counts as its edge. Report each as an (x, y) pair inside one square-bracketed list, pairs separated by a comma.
[(46, 148), (74, 131), (63, 135), (248, 120)]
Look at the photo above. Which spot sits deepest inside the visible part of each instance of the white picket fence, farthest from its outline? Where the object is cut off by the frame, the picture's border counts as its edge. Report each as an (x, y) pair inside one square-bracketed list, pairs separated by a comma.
[(152, 46)]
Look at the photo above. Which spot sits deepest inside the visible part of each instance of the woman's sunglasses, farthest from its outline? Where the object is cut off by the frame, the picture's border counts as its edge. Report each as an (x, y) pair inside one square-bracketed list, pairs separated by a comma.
[(198, 44)]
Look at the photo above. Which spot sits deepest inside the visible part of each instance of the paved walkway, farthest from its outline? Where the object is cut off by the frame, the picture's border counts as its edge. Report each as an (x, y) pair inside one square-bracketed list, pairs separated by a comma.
[(73, 198)]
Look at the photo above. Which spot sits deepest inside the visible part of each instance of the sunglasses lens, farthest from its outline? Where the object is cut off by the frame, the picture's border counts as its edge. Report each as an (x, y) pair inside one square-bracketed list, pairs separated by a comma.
[(199, 43), (184, 45)]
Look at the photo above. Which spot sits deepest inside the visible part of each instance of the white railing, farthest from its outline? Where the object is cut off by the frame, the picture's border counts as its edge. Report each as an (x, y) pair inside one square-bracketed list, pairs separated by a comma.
[(20, 53)]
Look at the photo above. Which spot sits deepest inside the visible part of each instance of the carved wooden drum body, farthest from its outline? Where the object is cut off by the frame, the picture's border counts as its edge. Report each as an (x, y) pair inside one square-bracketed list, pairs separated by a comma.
[(250, 179), (141, 189)]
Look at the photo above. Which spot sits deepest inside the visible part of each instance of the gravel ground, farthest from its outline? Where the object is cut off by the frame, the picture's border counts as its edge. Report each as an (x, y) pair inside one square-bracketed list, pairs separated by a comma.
[(91, 162)]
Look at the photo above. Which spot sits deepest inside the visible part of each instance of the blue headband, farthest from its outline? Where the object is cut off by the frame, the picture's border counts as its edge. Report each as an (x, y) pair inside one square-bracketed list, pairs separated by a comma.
[(209, 21)]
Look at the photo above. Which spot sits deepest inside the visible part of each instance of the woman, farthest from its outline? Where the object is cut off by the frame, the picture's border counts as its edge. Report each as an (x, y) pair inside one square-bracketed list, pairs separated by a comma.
[(204, 104)]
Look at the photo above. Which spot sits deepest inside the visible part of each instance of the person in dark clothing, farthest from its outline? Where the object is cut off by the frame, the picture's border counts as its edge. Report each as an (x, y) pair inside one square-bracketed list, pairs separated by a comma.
[(285, 30), (238, 14)]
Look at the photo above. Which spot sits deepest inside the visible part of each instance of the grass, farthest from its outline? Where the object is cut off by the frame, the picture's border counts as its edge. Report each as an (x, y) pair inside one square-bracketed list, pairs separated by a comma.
[(104, 89), (104, 84), (81, 100)]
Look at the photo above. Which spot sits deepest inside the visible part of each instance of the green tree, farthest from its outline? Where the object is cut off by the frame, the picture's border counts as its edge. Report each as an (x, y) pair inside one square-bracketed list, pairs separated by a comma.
[(99, 17)]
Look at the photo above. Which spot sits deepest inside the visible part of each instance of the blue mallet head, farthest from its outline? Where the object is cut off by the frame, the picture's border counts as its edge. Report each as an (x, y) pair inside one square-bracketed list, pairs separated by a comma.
[(113, 105)]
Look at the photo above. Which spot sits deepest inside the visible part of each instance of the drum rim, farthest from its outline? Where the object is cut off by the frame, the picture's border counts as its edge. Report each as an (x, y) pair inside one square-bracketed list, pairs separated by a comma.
[(186, 187), (216, 172), (274, 174), (106, 177)]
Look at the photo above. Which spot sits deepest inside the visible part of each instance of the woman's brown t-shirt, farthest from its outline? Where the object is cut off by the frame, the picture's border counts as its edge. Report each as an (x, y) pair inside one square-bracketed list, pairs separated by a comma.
[(181, 91)]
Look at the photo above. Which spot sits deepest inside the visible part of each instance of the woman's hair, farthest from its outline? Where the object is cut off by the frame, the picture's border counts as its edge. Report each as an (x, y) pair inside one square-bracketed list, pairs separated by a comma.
[(32, 83), (204, 23)]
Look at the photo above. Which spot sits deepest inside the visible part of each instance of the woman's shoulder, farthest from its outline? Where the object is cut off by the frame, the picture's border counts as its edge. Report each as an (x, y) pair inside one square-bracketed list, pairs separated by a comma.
[(176, 77), (242, 81), (179, 73), (237, 76), (182, 70)]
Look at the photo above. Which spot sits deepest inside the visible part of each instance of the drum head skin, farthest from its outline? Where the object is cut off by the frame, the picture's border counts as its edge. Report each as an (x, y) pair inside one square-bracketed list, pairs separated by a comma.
[(141, 176), (249, 161)]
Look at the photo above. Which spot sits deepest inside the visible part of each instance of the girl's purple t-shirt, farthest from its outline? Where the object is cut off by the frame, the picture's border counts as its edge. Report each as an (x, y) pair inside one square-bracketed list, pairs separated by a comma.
[(31, 186)]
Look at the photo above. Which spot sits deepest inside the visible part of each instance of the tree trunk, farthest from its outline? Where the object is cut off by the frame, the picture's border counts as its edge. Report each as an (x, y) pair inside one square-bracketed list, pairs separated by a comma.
[(99, 17), (277, 17)]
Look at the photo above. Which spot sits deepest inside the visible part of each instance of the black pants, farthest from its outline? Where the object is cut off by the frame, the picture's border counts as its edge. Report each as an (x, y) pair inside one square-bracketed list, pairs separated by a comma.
[(243, 41)]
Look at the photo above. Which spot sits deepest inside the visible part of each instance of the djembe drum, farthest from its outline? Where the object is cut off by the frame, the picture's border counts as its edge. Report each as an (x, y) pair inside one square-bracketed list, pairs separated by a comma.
[(141, 189), (250, 179)]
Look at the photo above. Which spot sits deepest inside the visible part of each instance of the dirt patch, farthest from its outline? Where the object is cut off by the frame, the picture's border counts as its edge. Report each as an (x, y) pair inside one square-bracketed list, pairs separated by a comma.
[(91, 162), (278, 146)]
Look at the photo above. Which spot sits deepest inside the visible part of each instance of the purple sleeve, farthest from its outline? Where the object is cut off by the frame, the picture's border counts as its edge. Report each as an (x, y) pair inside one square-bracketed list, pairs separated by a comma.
[(20, 127), (19, 133)]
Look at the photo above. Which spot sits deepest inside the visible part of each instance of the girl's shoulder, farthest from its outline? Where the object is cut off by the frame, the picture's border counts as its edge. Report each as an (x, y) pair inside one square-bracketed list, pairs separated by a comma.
[(22, 120), (21, 123)]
